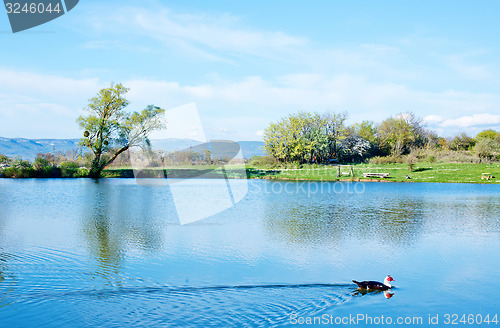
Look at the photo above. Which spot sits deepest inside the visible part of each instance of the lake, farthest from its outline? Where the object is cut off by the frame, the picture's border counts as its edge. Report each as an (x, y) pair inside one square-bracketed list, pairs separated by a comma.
[(76, 253)]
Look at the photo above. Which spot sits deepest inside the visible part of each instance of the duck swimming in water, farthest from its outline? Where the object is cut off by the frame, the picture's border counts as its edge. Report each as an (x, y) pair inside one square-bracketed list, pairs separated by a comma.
[(375, 285)]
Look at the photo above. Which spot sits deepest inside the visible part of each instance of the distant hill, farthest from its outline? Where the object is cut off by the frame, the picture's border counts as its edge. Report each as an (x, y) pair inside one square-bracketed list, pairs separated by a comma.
[(252, 148), (220, 149), (172, 144), (29, 148)]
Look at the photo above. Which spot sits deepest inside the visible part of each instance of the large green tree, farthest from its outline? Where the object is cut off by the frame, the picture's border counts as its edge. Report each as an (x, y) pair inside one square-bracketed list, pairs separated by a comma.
[(487, 145), (462, 142), (110, 130), (399, 134), (485, 148), (366, 130), (486, 134), (305, 137)]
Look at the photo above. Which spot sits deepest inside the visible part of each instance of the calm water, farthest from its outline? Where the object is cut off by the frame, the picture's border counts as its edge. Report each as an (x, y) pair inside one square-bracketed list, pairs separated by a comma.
[(75, 253)]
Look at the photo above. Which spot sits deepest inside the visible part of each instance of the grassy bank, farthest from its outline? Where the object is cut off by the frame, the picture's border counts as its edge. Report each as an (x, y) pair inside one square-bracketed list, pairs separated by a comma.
[(422, 172)]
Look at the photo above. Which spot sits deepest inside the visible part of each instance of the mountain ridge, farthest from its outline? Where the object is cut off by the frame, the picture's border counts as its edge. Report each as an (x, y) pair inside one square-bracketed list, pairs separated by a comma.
[(28, 148)]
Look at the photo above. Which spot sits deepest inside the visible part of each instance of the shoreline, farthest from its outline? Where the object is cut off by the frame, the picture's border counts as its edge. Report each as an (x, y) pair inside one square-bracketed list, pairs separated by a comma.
[(270, 178), (423, 173), (282, 180), (371, 180)]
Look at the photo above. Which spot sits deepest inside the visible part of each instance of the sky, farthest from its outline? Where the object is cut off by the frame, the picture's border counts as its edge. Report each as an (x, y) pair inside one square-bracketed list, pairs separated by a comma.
[(245, 64)]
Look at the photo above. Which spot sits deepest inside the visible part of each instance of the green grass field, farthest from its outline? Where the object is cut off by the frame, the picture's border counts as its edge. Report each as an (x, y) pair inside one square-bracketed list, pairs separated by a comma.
[(422, 172)]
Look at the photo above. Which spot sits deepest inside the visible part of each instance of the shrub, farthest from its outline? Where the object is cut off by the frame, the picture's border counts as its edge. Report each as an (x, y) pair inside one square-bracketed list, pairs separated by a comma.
[(293, 165), (82, 172), (431, 159), (40, 164), (484, 149), (19, 172), (451, 156), (263, 161), (69, 169), (411, 160), (462, 142), (386, 160)]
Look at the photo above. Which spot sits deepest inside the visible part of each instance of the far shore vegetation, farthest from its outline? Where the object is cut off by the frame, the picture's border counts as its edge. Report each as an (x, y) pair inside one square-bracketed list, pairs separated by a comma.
[(301, 146)]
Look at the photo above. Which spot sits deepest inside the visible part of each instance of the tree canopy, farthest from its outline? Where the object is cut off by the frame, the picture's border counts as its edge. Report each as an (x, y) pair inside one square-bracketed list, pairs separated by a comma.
[(486, 134), (306, 137), (109, 130), (399, 134), (321, 138), (462, 142)]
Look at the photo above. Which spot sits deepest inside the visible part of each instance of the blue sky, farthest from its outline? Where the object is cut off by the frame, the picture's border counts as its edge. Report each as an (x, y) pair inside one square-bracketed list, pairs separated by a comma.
[(247, 63)]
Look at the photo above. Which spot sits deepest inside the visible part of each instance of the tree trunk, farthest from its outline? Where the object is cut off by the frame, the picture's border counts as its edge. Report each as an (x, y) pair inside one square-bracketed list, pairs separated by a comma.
[(96, 169), (98, 166)]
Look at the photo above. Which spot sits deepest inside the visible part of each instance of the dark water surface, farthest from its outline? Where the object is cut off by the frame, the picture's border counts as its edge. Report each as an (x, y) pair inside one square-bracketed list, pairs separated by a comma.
[(75, 253)]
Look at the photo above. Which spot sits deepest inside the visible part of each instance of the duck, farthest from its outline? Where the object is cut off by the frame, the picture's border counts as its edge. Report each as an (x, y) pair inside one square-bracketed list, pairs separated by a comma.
[(375, 285)]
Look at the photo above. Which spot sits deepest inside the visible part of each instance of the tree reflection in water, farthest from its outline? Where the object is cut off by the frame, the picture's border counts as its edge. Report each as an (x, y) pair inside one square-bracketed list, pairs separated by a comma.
[(318, 222), (120, 221), (381, 214)]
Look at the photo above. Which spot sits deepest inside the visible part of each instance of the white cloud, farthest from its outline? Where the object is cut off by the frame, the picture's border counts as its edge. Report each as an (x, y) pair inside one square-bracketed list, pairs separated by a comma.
[(461, 64), (259, 133), (42, 105), (433, 119), (215, 37), (248, 105), (38, 105), (357, 77), (471, 124), (472, 121), (45, 86)]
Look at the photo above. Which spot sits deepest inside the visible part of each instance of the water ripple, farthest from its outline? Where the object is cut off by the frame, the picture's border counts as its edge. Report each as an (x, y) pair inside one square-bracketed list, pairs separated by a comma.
[(242, 306)]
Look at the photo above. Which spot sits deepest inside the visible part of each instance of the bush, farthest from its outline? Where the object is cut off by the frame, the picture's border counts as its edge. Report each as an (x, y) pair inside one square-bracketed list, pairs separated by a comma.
[(69, 169), (263, 161), (41, 164), (411, 160), (462, 142), (431, 159), (484, 149), (451, 156), (19, 172), (44, 166), (82, 172), (386, 160), (293, 165)]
